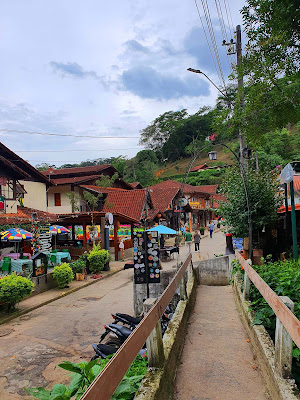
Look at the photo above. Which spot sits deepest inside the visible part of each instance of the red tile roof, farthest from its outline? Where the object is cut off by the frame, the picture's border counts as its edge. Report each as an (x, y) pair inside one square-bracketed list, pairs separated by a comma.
[(78, 170), (127, 202), (100, 189), (136, 185), (211, 189), (198, 167), (24, 215), (74, 179), (162, 194)]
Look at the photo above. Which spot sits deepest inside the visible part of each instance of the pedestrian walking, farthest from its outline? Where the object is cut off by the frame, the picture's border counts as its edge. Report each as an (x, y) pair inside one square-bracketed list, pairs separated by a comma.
[(197, 239), (188, 242), (211, 228), (121, 247)]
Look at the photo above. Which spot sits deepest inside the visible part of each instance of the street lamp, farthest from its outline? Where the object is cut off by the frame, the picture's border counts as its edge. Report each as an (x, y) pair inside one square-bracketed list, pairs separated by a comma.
[(197, 71)]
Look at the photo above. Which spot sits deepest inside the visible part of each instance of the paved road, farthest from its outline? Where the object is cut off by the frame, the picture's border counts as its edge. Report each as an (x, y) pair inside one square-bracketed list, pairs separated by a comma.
[(62, 330), (65, 328), (208, 248)]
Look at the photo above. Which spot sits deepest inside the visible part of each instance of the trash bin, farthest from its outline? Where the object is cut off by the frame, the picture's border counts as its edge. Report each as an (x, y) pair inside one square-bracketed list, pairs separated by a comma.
[(229, 244)]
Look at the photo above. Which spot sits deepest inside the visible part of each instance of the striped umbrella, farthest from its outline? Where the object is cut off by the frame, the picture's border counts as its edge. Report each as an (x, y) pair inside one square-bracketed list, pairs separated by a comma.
[(57, 229), (15, 235)]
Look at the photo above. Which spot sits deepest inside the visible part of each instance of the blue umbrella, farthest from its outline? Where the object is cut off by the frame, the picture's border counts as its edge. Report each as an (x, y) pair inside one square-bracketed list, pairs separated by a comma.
[(163, 230)]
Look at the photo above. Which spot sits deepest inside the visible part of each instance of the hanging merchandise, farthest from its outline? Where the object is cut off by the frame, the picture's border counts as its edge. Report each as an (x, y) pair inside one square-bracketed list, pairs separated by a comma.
[(146, 257), (35, 230)]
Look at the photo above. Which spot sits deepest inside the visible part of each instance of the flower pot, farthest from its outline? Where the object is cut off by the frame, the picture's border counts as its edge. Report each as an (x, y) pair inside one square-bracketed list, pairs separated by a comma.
[(79, 277)]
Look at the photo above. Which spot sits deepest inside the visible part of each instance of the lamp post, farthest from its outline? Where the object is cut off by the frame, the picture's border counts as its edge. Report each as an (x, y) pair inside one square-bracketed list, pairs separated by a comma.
[(213, 156), (197, 71)]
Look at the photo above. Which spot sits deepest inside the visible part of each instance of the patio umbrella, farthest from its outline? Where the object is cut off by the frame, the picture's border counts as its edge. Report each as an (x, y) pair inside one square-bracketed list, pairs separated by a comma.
[(163, 230), (15, 235), (56, 230)]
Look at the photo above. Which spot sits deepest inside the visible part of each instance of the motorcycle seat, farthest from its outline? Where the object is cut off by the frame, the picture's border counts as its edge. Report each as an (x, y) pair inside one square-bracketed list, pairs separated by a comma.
[(130, 319), (122, 329)]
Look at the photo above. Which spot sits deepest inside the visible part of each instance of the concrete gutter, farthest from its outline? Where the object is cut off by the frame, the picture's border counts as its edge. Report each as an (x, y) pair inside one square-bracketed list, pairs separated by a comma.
[(58, 296), (158, 383), (263, 348)]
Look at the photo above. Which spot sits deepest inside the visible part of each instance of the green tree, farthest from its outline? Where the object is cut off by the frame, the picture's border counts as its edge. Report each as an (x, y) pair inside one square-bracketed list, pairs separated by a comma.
[(156, 134), (263, 195), (193, 129), (119, 164), (74, 199), (270, 67), (107, 181)]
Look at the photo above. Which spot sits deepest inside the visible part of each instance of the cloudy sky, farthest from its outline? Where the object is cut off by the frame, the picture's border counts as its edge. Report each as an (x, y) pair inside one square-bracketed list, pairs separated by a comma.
[(97, 68)]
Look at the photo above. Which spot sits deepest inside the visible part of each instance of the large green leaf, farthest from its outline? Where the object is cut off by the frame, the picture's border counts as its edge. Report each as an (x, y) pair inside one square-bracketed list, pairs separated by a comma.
[(72, 367), (39, 393)]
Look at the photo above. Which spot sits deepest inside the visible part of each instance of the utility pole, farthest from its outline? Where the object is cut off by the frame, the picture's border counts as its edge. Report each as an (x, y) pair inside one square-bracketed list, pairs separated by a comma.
[(240, 86)]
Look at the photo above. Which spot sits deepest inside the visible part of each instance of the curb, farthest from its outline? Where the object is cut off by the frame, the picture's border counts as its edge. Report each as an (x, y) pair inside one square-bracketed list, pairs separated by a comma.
[(22, 312)]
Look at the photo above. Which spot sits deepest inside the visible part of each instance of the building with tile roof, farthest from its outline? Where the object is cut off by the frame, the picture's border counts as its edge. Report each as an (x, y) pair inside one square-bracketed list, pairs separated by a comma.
[(20, 180), (67, 180)]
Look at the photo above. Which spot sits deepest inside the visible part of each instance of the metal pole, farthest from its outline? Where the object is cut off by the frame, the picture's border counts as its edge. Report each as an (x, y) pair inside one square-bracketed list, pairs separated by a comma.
[(294, 226), (145, 243)]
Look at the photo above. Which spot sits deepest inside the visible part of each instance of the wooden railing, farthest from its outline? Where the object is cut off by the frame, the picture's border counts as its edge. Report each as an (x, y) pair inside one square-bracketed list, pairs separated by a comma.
[(285, 315), (287, 325), (110, 377)]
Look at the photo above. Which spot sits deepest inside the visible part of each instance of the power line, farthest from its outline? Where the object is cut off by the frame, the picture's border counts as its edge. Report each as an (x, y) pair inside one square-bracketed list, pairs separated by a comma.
[(212, 37), (229, 12), (207, 41), (70, 150), (68, 135), (223, 27)]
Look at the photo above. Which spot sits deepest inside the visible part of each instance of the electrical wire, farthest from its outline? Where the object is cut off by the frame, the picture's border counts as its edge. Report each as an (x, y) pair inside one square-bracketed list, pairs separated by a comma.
[(207, 41), (223, 27), (229, 13), (70, 150), (67, 135), (213, 38)]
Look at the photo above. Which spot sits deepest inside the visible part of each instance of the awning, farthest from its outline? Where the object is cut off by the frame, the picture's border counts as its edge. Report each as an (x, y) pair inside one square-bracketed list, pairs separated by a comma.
[(281, 210)]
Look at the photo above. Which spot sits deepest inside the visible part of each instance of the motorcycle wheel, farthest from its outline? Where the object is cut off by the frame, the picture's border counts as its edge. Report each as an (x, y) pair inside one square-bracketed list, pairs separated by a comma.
[(95, 357), (114, 342)]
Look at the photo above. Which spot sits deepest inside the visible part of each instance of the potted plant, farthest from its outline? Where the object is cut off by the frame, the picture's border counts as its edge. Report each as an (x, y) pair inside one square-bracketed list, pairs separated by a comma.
[(14, 288), (63, 274), (202, 230), (78, 268), (98, 259)]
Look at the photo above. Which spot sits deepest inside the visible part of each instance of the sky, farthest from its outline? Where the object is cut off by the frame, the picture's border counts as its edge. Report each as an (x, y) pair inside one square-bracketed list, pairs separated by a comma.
[(93, 68)]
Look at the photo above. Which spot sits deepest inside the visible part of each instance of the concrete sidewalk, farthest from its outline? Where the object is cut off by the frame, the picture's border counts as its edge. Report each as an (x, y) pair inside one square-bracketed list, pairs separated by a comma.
[(33, 302), (217, 361)]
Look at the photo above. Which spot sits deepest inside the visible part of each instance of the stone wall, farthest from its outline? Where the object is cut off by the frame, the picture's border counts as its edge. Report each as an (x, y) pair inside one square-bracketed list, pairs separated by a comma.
[(155, 290), (215, 271)]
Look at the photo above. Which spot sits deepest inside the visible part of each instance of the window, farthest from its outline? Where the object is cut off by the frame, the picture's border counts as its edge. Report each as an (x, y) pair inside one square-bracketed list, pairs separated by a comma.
[(57, 199)]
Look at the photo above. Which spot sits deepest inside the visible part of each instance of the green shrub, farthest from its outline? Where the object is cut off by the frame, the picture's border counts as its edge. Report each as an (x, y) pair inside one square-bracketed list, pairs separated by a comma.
[(78, 266), (63, 274), (14, 288), (97, 259), (85, 373)]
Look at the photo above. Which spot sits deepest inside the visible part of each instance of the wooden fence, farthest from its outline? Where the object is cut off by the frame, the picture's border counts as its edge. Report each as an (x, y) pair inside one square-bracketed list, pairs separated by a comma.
[(283, 313), (109, 378)]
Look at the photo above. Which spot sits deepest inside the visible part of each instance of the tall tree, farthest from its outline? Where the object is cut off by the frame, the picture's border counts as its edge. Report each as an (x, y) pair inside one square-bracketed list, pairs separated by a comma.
[(271, 66), (156, 134)]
